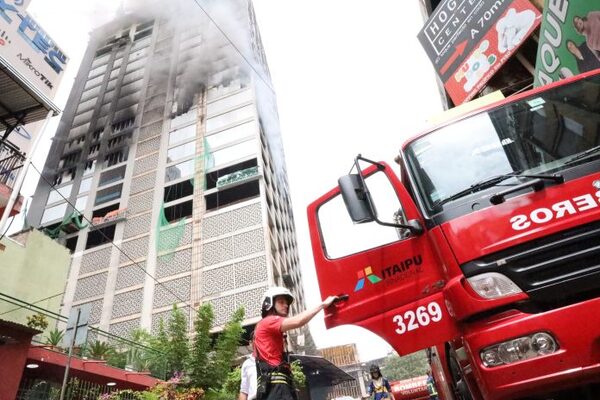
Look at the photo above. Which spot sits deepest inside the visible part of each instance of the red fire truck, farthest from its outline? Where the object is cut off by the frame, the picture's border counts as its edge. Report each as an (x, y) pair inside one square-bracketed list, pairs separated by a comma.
[(486, 250)]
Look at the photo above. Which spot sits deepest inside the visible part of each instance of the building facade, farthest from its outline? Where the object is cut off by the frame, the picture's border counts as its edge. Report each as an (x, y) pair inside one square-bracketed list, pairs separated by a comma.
[(169, 154), (345, 357)]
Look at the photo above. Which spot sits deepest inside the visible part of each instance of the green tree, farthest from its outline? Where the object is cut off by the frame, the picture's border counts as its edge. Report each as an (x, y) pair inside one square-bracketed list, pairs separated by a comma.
[(225, 350), (411, 365), (178, 349), (201, 347), (160, 343)]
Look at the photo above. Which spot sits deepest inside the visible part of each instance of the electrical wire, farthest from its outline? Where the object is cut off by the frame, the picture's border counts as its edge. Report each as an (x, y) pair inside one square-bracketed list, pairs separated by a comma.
[(176, 296), (111, 241), (234, 46), (35, 302)]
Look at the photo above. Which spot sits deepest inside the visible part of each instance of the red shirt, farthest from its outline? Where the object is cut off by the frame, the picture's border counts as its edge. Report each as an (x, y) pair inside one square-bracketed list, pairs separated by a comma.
[(268, 340)]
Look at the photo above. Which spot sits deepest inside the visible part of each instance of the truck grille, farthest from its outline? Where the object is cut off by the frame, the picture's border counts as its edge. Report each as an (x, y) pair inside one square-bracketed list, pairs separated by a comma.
[(564, 267)]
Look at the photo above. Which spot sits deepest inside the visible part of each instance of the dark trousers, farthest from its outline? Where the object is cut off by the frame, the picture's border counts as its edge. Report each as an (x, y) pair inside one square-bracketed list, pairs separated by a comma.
[(281, 391)]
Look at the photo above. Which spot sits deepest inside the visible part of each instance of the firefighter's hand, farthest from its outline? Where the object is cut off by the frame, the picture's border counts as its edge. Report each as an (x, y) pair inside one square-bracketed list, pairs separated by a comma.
[(329, 301)]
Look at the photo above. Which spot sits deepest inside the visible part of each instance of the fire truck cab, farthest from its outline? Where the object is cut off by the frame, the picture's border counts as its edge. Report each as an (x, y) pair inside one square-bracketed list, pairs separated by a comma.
[(485, 248)]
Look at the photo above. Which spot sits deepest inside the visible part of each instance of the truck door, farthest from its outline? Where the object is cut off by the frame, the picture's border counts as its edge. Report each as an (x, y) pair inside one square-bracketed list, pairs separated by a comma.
[(392, 276)]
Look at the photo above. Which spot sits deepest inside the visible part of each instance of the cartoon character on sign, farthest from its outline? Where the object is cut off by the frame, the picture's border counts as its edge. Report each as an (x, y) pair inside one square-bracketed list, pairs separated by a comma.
[(513, 27), (475, 67)]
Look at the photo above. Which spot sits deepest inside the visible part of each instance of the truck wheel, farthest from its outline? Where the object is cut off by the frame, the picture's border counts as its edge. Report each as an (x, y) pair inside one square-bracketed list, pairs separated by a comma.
[(459, 383)]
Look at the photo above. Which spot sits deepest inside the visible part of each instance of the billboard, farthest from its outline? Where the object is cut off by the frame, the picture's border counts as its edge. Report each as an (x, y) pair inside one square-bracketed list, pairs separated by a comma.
[(469, 40), (28, 49), (569, 40)]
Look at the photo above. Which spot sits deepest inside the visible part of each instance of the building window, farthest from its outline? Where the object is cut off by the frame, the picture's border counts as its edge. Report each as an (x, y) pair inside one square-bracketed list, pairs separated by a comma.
[(179, 152), (116, 157), (108, 194), (178, 211), (64, 177), (232, 117), (182, 134), (90, 167), (94, 149), (233, 195), (179, 191), (232, 135), (180, 170), (113, 175), (122, 125), (71, 244), (234, 153), (53, 213), (100, 236), (85, 185), (60, 194)]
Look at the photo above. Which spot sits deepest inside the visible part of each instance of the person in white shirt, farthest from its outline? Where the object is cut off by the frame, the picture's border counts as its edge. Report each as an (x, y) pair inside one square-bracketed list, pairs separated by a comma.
[(248, 384)]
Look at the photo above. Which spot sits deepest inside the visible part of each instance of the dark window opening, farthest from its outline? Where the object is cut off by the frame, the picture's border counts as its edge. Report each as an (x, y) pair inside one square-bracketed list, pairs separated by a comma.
[(178, 211), (118, 141), (94, 149), (71, 243), (233, 195), (143, 34), (213, 177), (100, 236), (179, 190), (52, 227), (96, 135), (103, 51), (123, 124), (144, 25), (101, 212), (116, 157)]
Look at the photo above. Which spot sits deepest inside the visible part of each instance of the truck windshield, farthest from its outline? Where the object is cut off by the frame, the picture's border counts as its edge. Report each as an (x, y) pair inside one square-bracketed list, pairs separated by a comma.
[(544, 133)]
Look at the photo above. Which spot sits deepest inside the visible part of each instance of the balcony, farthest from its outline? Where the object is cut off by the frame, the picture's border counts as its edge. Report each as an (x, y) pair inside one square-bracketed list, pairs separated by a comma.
[(11, 161)]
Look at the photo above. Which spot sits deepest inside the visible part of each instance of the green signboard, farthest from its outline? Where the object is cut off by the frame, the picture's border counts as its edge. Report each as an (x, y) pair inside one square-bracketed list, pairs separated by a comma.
[(569, 40)]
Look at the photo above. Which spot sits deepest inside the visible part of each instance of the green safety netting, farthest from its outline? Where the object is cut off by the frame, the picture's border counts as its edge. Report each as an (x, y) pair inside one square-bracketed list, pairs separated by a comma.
[(170, 234), (71, 223)]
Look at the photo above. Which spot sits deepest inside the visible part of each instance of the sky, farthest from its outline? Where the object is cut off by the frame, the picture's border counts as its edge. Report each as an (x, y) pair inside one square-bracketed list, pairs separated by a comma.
[(350, 77)]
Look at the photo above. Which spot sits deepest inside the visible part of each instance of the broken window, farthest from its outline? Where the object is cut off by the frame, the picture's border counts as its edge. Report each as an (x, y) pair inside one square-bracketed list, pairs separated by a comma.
[(213, 177), (116, 157)]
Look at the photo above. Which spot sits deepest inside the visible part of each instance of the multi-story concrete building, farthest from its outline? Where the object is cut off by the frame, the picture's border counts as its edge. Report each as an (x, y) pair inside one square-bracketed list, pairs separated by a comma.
[(170, 146), (345, 357)]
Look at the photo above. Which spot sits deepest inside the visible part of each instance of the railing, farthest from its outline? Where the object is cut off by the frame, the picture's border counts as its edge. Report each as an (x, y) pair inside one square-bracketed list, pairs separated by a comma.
[(11, 160)]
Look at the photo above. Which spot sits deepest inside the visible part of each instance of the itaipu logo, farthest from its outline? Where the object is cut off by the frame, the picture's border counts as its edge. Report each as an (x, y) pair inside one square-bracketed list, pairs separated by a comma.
[(368, 274), (391, 274)]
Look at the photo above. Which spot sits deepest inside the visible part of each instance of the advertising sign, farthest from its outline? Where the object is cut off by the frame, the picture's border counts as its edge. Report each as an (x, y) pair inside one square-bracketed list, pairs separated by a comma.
[(469, 40), (27, 48), (569, 40)]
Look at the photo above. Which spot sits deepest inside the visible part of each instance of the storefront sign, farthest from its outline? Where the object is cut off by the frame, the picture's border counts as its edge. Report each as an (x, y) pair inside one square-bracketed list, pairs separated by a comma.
[(469, 40)]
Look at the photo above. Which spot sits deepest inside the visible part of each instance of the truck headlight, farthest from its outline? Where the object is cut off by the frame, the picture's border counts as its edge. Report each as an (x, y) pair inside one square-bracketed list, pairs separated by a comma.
[(523, 348), (493, 285)]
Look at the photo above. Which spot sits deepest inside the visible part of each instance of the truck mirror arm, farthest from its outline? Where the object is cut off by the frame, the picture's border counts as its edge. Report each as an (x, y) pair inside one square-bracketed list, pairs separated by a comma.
[(413, 225)]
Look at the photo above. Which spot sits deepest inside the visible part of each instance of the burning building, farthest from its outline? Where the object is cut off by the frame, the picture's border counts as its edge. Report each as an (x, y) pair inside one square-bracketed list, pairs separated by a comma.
[(166, 177)]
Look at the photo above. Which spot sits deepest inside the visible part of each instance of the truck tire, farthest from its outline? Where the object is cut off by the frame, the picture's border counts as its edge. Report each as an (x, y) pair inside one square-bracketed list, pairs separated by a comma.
[(459, 382)]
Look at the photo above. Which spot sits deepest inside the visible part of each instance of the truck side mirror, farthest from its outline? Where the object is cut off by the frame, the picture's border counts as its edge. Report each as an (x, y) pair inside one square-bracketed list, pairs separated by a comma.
[(356, 198)]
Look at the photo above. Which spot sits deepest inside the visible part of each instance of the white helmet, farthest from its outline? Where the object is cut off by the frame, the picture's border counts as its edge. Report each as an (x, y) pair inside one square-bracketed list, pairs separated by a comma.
[(269, 298)]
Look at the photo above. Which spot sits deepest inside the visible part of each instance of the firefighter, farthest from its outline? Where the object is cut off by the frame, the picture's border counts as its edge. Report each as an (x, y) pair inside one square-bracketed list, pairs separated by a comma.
[(379, 387), (272, 363)]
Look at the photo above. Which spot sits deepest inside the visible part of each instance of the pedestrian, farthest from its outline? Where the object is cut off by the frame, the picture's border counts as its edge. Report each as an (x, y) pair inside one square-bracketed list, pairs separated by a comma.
[(248, 372), (379, 387), (433, 395), (272, 362)]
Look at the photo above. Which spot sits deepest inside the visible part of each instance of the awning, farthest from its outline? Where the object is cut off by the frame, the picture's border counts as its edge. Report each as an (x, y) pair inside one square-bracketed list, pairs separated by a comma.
[(20, 102), (320, 371)]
